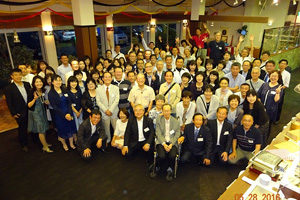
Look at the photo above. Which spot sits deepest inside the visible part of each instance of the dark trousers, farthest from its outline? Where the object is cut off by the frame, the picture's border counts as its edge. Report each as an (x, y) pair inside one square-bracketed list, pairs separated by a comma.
[(93, 147), (132, 150), (280, 105), (22, 130), (170, 156), (217, 152), (187, 155)]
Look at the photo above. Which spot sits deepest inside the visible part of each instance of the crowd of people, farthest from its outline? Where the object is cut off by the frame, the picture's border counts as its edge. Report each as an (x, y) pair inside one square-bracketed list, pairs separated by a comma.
[(169, 100)]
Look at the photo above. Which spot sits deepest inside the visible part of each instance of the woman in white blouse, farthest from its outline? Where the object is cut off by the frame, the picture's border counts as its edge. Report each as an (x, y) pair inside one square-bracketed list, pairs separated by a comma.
[(223, 92), (207, 103), (118, 139)]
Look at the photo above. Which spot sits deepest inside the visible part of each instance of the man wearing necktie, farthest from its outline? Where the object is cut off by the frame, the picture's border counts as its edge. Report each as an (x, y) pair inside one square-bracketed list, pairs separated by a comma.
[(108, 103), (197, 141), (167, 133), (270, 66)]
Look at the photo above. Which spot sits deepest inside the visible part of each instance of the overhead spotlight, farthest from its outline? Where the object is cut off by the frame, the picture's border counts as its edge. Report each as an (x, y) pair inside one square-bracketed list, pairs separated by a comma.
[(148, 29), (294, 2), (235, 2), (275, 2), (201, 1), (259, 2), (185, 23), (212, 24)]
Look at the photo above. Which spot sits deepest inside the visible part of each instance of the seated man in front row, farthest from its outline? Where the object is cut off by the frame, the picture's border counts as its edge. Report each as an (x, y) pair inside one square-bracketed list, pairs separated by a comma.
[(197, 141), (221, 132), (90, 134), (139, 133), (167, 133), (248, 138)]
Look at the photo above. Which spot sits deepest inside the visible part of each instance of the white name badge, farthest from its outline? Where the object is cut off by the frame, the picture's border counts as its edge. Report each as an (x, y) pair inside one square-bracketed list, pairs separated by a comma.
[(146, 129), (74, 104), (273, 92), (174, 91), (200, 139), (66, 95), (250, 141), (220, 47), (112, 95), (172, 132), (226, 133), (125, 89)]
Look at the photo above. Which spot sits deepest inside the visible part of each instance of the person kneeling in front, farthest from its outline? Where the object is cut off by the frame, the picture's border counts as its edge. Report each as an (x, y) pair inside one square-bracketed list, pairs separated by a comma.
[(139, 133), (91, 134), (167, 133), (248, 138), (197, 141)]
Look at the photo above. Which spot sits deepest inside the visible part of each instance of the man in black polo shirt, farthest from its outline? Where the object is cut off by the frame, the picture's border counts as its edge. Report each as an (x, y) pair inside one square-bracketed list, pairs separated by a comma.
[(124, 88), (248, 138)]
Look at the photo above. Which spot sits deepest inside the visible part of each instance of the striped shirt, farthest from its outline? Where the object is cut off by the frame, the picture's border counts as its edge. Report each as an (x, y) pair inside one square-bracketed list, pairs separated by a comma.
[(124, 88), (247, 140)]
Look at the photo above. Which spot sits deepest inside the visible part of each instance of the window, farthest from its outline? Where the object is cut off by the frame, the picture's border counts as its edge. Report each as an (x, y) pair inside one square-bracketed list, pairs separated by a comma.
[(172, 34), (99, 46), (5, 66), (122, 38), (65, 42), (136, 31), (161, 30)]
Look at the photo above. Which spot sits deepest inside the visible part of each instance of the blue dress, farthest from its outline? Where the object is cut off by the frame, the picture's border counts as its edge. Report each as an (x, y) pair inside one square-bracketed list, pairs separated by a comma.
[(267, 95), (62, 106), (37, 119)]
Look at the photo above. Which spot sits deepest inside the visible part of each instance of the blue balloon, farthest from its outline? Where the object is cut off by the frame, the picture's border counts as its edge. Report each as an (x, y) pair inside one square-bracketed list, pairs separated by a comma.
[(243, 32)]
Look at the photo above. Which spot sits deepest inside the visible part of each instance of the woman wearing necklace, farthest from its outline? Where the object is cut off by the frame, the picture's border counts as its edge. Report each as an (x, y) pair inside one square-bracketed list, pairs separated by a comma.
[(223, 92), (235, 113), (207, 103), (88, 100), (185, 82), (37, 116), (75, 96), (213, 79), (191, 66), (270, 94), (61, 104), (198, 85)]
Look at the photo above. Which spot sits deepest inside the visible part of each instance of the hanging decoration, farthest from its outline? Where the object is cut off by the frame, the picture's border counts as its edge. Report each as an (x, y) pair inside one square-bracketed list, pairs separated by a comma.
[(176, 4), (243, 31), (45, 5), (134, 16), (11, 3), (104, 4)]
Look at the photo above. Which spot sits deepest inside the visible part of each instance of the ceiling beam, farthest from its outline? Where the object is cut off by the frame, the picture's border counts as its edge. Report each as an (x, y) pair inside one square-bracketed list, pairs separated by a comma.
[(245, 19)]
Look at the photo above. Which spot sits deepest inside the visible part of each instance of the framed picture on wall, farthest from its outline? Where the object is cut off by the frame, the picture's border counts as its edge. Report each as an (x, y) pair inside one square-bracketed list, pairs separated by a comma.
[(224, 38)]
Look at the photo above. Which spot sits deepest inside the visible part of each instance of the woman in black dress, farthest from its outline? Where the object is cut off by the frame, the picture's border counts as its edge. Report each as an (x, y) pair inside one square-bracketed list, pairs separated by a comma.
[(88, 100), (197, 87)]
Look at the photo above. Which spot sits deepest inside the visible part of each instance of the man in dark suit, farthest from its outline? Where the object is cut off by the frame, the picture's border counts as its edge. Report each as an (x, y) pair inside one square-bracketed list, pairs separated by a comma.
[(246, 71), (16, 98), (159, 74), (91, 134), (139, 133), (197, 141), (221, 132), (150, 77)]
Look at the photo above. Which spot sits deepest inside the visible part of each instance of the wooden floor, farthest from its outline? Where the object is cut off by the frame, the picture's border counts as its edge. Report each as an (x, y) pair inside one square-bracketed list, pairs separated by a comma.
[(63, 175), (7, 122)]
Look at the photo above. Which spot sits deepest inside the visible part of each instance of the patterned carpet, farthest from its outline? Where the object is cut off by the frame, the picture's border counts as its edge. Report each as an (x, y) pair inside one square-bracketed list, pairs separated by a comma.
[(7, 122)]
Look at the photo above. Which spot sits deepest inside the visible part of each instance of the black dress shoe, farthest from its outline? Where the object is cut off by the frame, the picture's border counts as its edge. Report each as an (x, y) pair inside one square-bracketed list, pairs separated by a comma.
[(25, 149), (104, 151), (276, 123), (169, 176)]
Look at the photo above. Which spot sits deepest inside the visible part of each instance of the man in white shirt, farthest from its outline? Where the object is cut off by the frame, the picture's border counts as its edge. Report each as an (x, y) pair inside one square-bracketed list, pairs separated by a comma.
[(221, 132), (64, 67), (264, 59), (175, 54), (286, 77), (116, 53), (142, 94), (245, 54), (179, 70), (227, 57), (26, 77), (74, 66), (169, 63)]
